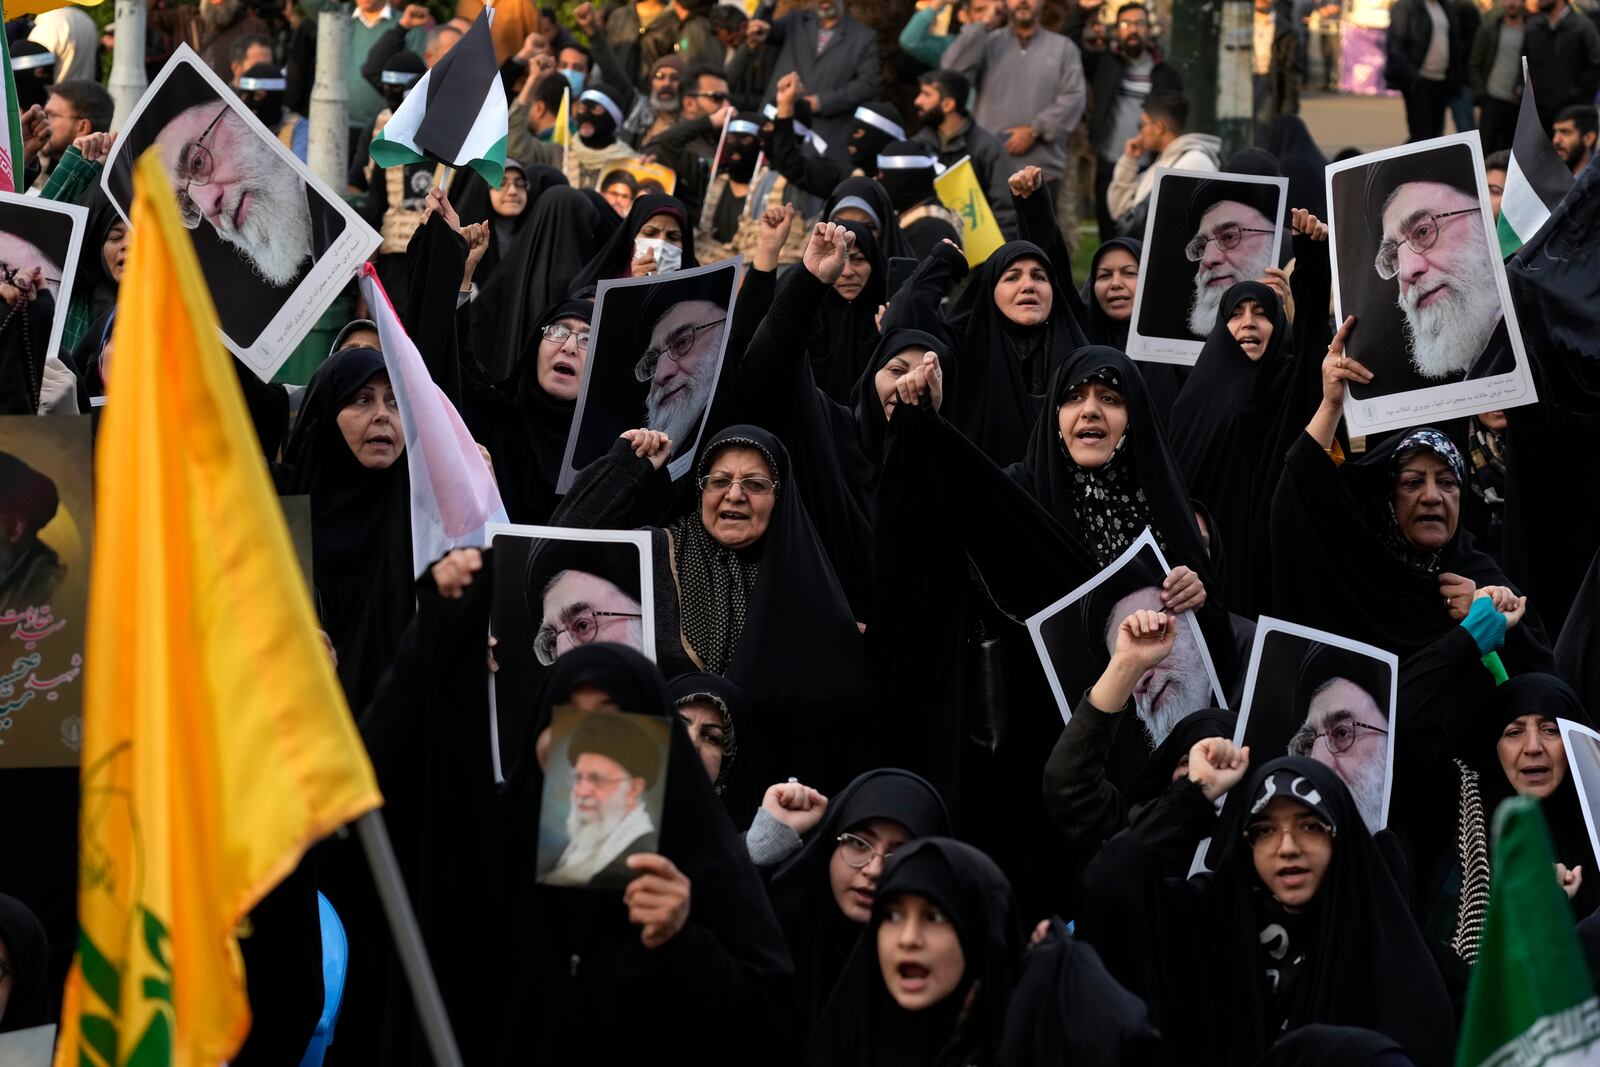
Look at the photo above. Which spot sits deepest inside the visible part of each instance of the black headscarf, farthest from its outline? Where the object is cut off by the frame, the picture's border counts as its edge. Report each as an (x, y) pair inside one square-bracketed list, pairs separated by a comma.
[(1301, 161), (1141, 484), (92, 285), (727, 698), (562, 233), (1477, 742), (862, 1024), (1006, 367), (1369, 591), (864, 403), (503, 232), (767, 616), (1357, 956), (1101, 328), (820, 936), (360, 525), (892, 240), (525, 428), (1320, 1045), (848, 331), (615, 258), (31, 1003), (1223, 430), (1156, 777)]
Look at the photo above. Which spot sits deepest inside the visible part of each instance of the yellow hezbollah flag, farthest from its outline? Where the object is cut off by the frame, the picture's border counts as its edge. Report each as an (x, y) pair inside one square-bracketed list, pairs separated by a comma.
[(561, 133), (18, 8), (959, 191), (217, 746)]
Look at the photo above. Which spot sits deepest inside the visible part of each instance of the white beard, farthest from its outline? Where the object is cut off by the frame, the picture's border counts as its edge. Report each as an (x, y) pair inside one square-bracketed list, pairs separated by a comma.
[(1367, 791), (1188, 692), (1448, 336), (1208, 298), (276, 237), (584, 837), (680, 415)]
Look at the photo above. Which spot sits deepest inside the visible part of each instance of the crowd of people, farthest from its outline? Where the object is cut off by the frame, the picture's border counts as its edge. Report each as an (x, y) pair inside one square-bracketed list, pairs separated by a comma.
[(878, 841)]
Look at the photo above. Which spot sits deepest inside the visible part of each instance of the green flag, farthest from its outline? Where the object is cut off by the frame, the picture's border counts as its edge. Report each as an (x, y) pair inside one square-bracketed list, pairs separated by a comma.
[(1532, 1002)]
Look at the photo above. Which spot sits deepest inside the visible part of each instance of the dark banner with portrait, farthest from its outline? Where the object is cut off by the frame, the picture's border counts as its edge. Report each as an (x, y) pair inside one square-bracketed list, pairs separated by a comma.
[(39, 248), (276, 246), (1311, 693), (1203, 234), (605, 785), (1074, 638), (1416, 261), (555, 588), (47, 513), (655, 358)]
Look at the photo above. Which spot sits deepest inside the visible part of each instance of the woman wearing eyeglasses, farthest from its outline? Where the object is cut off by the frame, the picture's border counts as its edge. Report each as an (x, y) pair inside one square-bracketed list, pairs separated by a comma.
[(827, 855), (744, 589), (1301, 922)]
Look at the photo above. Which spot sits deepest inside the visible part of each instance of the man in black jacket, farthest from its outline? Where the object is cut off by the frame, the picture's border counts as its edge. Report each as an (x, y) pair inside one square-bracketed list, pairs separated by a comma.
[(1422, 64), (1563, 50), (949, 130), (1121, 77)]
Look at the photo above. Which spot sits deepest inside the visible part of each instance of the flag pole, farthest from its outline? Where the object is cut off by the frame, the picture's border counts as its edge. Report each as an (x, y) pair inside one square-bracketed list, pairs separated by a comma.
[(408, 939), (716, 161)]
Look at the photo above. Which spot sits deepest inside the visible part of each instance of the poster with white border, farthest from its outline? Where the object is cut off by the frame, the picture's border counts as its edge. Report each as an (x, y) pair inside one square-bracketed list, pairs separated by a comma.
[(600, 570), (1440, 334), (1320, 692), (44, 234), (1175, 302), (1061, 639), (275, 244)]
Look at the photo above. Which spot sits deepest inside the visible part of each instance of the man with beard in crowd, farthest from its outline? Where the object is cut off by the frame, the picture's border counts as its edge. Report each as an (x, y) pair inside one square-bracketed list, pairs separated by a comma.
[(1341, 698), (681, 362), (1432, 246), (947, 127), (1235, 240), (1574, 134), (613, 762), (232, 179)]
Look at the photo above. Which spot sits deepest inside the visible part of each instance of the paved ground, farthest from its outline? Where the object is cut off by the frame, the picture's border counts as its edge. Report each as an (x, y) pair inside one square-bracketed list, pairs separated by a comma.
[(1367, 122)]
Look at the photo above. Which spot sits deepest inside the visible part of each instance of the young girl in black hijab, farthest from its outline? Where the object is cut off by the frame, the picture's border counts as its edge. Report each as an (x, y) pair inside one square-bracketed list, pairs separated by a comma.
[(824, 893), (1301, 923), (932, 975)]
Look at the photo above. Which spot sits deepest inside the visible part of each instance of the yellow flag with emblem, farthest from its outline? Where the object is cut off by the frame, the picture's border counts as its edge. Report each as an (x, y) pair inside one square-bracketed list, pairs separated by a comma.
[(217, 746), (959, 191), (18, 8)]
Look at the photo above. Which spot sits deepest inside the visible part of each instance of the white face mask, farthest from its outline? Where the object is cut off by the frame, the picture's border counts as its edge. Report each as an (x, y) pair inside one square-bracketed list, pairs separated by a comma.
[(668, 257)]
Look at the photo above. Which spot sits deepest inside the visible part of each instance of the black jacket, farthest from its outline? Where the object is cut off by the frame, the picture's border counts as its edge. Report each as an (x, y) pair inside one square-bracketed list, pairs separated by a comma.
[(1406, 45), (1485, 43), (991, 165), (1566, 60), (1103, 69), (843, 77)]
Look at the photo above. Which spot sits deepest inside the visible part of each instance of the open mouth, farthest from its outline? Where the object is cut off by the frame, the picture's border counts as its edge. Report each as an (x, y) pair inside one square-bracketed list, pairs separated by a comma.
[(1429, 520), (1090, 433), (380, 440), (1293, 877), (564, 369), (1536, 773), (732, 515), (1118, 300), (1027, 300), (913, 976)]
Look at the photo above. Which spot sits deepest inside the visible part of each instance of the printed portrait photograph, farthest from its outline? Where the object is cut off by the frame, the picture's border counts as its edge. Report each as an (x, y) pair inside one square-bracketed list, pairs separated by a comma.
[(556, 589), (1416, 261), (655, 357), (1309, 693), (46, 537), (269, 237), (604, 786), (1075, 638), (1203, 235), (39, 242)]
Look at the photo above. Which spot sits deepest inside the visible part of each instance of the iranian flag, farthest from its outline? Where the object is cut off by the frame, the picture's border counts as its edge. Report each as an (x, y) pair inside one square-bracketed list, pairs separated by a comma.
[(11, 136), (1531, 1002), (1536, 180), (455, 115)]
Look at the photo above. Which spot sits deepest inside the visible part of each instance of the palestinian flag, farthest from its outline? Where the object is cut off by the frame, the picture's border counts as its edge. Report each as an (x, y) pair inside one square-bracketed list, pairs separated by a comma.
[(1531, 1002), (455, 115), (1536, 180)]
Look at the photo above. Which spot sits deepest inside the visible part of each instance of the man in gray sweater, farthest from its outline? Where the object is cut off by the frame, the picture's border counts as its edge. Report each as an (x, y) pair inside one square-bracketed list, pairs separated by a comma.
[(1031, 89)]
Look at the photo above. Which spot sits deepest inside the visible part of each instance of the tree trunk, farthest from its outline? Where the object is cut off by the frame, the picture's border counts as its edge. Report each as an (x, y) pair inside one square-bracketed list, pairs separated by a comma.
[(328, 147)]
